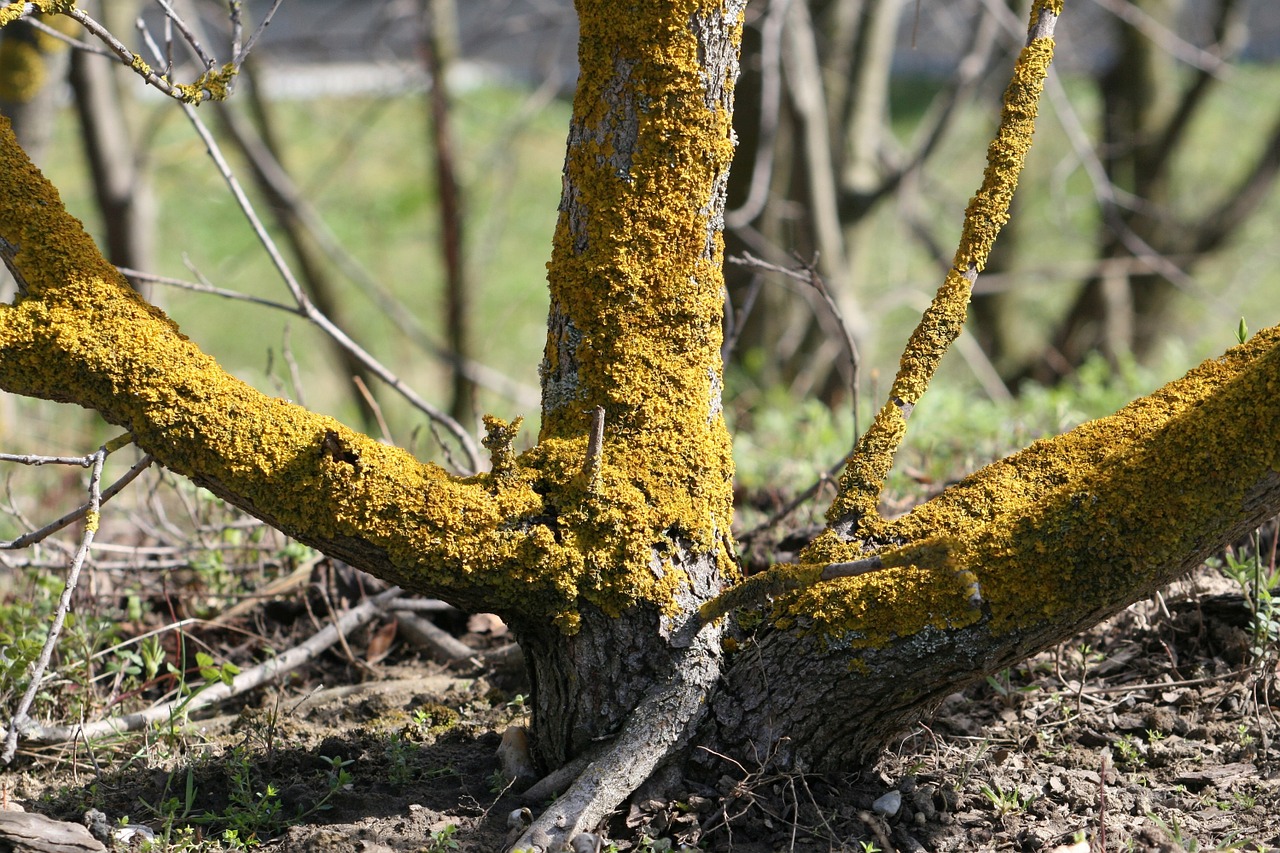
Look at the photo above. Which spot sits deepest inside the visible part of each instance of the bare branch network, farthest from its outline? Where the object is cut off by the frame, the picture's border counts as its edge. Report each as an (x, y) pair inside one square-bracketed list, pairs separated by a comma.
[(216, 81)]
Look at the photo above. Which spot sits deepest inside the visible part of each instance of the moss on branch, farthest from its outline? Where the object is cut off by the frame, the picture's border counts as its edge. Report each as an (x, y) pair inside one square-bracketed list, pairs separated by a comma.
[(530, 543)]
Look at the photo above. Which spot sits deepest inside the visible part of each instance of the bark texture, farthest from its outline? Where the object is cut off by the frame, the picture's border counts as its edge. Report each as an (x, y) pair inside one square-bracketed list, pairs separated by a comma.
[(634, 329), (1013, 559), (601, 554)]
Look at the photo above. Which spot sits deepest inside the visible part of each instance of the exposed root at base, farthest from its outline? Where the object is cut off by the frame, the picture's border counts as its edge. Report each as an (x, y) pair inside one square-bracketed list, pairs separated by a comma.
[(659, 726)]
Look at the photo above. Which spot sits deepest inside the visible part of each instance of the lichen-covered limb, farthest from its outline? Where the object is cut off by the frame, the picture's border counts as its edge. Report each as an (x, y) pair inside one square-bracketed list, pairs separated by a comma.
[(79, 334), (1017, 557), (635, 276), (854, 511)]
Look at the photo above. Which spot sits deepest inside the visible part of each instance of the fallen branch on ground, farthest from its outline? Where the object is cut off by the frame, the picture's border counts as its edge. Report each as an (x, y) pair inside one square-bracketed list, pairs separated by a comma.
[(242, 683)]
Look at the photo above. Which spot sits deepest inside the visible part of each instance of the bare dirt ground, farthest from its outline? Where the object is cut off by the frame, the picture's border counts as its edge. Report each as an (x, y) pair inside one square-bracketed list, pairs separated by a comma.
[(1154, 731)]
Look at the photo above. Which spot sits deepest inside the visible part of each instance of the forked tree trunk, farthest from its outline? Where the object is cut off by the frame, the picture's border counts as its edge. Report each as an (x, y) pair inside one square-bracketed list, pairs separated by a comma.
[(634, 329), (606, 550)]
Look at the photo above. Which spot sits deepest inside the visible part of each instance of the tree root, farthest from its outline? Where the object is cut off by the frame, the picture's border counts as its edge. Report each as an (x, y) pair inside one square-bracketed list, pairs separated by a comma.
[(659, 727)]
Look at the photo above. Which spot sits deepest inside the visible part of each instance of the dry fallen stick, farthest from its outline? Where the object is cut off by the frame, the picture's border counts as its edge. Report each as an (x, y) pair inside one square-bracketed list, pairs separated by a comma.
[(446, 648), (242, 683), (442, 645)]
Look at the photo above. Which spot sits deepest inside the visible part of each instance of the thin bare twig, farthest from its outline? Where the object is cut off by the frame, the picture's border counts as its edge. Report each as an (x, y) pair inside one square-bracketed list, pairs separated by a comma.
[(201, 287), (242, 683), (808, 273), (798, 501), (372, 403), (770, 109), (70, 41), (173, 17), (595, 447), (28, 539), (239, 57), (290, 196), (1169, 41), (19, 719), (237, 27)]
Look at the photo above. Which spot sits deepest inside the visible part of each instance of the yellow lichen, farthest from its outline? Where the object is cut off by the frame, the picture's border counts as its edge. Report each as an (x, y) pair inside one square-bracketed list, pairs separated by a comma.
[(863, 479), (82, 335), (530, 539), (1079, 524), (635, 271), (212, 85), (22, 71), (534, 539)]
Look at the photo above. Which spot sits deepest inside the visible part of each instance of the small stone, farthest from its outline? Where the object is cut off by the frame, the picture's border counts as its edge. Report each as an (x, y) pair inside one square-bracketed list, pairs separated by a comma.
[(888, 805)]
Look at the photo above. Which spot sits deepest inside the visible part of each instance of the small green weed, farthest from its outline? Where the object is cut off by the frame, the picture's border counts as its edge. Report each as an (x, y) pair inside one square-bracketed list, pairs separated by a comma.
[(1002, 683), (1006, 802), (1260, 585), (399, 764), (253, 812), (1130, 752), (442, 840)]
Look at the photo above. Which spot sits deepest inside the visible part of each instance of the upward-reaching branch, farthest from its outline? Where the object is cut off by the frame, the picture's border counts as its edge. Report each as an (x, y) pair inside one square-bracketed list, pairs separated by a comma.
[(854, 510)]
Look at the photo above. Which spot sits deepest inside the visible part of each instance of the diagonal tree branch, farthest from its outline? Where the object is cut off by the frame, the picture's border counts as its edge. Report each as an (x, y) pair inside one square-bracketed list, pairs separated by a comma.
[(855, 507), (81, 335)]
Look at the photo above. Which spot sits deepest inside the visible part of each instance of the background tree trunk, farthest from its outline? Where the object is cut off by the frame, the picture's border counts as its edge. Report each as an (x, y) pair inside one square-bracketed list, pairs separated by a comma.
[(33, 67)]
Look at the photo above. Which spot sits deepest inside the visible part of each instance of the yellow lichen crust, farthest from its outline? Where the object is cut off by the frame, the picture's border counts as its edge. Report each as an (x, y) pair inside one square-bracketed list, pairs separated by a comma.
[(1080, 524), (1053, 6), (80, 334), (15, 11), (863, 480), (212, 85), (636, 291), (535, 539)]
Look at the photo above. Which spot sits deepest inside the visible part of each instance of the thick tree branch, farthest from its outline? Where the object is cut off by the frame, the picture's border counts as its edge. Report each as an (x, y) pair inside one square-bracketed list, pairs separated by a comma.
[(1013, 559), (81, 335)]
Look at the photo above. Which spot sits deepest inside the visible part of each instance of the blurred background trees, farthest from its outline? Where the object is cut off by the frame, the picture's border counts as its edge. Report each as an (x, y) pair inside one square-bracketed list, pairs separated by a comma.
[(1144, 208), (848, 113)]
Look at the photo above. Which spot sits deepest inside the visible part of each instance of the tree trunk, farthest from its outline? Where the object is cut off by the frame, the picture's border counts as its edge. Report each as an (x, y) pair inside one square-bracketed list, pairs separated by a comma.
[(606, 545), (634, 329)]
